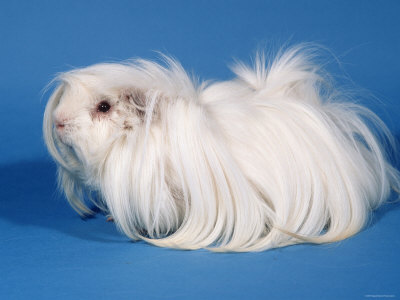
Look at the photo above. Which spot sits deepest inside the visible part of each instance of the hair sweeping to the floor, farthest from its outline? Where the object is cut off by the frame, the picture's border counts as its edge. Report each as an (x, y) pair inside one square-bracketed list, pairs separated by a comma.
[(274, 157)]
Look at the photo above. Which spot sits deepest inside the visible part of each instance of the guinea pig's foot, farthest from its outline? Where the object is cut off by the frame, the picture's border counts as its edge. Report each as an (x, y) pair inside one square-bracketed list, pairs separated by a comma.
[(110, 219)]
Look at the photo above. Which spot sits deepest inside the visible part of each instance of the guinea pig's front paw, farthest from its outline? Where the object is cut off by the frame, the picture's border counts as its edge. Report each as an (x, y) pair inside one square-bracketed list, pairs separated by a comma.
[(110, 219)]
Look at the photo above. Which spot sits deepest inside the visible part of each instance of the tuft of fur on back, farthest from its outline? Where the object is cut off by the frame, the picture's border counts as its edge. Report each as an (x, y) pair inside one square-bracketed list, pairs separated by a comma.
[(274, 157)]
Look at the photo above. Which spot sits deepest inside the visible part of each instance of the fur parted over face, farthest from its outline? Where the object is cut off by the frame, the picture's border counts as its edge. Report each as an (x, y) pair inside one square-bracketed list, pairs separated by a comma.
[(273, 157)]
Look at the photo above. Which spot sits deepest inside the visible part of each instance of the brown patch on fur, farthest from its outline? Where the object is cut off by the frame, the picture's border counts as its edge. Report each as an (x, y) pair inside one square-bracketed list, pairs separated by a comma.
[(136, 101), (127, 126)]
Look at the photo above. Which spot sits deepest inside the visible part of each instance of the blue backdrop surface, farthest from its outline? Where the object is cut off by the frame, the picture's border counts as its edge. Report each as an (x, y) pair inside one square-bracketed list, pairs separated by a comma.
[(48, 252)]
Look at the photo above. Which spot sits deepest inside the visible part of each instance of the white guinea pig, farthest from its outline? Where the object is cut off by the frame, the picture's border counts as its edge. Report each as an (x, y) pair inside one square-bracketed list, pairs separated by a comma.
[(274, 157)]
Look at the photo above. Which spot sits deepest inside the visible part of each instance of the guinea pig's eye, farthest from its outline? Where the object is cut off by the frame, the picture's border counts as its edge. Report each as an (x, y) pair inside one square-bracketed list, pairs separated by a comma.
[(103, 106)]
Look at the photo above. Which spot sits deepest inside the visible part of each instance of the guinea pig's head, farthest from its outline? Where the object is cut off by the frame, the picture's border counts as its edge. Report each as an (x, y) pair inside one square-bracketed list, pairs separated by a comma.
[(89, 109), (95, 110)]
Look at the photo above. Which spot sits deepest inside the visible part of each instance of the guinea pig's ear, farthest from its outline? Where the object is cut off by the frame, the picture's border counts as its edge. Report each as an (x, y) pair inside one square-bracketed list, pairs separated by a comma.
[(140, 101)]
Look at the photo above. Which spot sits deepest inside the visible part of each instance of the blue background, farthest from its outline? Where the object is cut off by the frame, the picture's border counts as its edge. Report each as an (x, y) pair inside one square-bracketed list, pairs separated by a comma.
[(48, 252)]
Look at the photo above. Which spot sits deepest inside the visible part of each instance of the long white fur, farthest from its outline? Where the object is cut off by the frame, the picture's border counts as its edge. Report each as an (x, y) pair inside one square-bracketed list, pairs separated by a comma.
[(274, 157)]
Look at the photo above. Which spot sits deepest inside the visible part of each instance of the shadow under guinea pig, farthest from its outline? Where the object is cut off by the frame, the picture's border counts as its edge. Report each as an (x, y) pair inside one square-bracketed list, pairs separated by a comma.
[(29, 197)]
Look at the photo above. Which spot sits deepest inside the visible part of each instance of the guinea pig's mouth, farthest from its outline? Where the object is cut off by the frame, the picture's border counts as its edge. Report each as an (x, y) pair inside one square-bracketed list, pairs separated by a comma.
[(61, 131)]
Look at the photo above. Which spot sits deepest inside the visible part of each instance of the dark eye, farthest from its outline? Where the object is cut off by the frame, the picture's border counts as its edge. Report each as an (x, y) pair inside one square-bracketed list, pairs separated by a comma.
[(103, 106)]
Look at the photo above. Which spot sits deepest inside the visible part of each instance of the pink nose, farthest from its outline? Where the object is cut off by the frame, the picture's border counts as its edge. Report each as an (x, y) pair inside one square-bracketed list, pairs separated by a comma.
[(60, 121), (60, 126)]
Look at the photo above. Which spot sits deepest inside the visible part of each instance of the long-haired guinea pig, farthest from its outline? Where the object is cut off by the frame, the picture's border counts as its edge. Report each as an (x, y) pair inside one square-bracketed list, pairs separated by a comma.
[(274, 157)]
